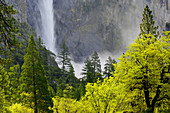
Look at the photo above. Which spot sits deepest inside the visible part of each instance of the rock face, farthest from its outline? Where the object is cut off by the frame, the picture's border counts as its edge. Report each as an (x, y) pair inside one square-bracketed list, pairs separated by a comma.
[(21, 7), (97, 25)]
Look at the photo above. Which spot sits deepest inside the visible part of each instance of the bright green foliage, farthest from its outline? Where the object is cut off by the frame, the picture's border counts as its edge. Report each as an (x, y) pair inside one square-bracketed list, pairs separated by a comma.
[(81, 90), (145, 72), (100, 96), (14, 83), (18, 108), (147, 25), (4, 90), (109, 67), (142, 73), (64, 105), (67, 105), (64, 57), (68, 92), (92, 71), (60, 87), (51, 91), (34, 86)]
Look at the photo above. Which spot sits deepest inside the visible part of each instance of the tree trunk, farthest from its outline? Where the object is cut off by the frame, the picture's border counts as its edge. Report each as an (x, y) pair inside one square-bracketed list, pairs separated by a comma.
[(35, 100)]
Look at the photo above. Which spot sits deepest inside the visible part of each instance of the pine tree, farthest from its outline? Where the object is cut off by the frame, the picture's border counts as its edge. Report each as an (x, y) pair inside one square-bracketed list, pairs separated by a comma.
[(71, 78), (109, 67), (87, 70), (147, 25), (64, 57), (34, 86), (95, 62), (8, 31), (92, 69)]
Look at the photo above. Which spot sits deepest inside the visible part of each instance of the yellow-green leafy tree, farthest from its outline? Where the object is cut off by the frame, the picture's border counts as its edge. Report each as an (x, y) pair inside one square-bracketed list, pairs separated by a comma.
[(19, 108), (64, 105), (103, 97), (145, 72)]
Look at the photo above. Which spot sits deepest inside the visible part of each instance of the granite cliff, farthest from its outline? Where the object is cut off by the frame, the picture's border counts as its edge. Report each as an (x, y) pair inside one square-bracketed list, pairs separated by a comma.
[(95, 25)]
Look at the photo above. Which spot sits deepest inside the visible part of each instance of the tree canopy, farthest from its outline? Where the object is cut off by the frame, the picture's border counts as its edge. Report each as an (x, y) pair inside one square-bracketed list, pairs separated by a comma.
[(34, 86)]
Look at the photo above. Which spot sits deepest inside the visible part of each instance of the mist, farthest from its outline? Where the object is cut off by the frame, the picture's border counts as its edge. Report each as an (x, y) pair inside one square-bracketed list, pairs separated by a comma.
[(120, 21)]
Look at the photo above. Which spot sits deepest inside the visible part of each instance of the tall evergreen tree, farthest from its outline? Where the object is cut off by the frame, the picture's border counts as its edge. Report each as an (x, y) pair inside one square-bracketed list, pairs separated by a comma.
[(87, 70), (71, 78), (8, 31), (92, 69), (34, 86), (109, 67), (147, 25), (64, 57), (96, 65)]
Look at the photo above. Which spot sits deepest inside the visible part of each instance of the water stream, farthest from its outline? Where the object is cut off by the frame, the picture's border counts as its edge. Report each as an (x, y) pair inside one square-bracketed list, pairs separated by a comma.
[(47, 19)]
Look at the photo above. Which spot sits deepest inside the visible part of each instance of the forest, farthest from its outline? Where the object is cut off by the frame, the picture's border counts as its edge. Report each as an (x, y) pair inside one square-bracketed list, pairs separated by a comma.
[(31, 80)]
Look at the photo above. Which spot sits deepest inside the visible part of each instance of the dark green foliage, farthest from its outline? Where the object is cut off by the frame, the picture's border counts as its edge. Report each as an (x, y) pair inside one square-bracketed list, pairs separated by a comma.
[(8, 42), (64, 58), (92, 69), (109, 67), (95, 62), (25, 33), (67, 83), (71, 78), (147, 25), (47, 59), (8, 31), (34, 86), (87, 70)]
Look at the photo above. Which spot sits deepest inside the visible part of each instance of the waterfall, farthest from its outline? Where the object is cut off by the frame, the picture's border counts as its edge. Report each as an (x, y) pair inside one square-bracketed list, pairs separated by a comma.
[(47, 22)]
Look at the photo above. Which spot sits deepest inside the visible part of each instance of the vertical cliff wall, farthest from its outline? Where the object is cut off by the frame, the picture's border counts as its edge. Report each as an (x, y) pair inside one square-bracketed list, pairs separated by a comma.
[(95, 25)]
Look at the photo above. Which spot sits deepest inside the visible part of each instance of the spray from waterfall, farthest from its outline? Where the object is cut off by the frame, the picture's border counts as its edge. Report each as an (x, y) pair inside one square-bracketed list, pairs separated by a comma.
[(47, 19)]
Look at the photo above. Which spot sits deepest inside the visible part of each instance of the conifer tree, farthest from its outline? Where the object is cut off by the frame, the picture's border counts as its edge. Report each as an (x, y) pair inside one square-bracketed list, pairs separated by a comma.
[(109, 67), (147, 25), (71, 78), (92, 69), (87, 70), (64, 57), (95, 62), (34, 86), (8, 31)]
